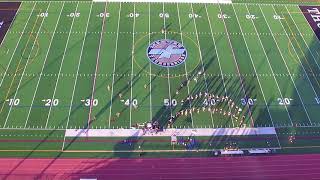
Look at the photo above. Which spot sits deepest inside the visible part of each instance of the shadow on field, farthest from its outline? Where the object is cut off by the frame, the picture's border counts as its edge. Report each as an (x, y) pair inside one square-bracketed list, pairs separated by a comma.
[(309, 66), (305, 78), (310, 63)]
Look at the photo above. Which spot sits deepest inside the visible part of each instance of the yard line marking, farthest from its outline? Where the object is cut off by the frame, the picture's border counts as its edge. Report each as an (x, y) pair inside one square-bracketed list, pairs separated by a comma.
[(76, 79), (165, 36), (185, 65), (303, 104), (157, 32), (132, 59), (250, 55), (300, 46), (24, 69), (271, 69), (15, 49), (18, 66), (150, 69), (114, 64), (44, 63), (147, 74), (23, 129), (202, 65), (63, 57), (303, 37), (302, 51), (218, 57), (305, 72), (237, 66), (97, 66)]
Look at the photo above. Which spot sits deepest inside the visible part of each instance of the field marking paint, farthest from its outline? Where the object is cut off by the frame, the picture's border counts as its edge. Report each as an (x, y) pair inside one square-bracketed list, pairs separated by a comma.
[(44, 63), (50, 128), (150, 65), (15, 49), (218, 58), (25, 67), (129, 151), (305, 57), (169, 1), (209, 132), (114, 65), (14, 18), (291, 43), (301, 50), (251, 59), (63, 57), (165, 36), (185, 64), (18, 66), (313, 32), (102, 75), (303, 37), (268, 60), (202, 65), (237, 66), (76, 79), (157, 32), (132, 60), (97, 66), (301, 100)]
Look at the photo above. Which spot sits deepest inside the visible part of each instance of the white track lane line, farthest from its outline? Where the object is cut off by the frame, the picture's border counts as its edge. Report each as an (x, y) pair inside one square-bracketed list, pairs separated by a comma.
[(44, 63), (63, 57), (76, 79), (25, 67)]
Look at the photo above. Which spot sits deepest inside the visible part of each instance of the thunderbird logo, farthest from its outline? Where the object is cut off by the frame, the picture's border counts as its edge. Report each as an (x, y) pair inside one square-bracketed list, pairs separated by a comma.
[(166, 53)]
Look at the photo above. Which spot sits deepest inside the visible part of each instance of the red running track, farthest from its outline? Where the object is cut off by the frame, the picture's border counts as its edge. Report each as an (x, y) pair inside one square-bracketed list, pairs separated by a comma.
[(282, 167)]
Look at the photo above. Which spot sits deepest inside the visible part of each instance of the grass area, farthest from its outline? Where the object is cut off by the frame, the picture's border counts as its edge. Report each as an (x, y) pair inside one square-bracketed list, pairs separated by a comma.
[(77, 65), (308, 2)]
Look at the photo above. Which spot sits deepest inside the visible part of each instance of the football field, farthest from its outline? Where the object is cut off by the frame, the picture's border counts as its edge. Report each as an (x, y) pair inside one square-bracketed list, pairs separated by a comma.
[(86, 65)]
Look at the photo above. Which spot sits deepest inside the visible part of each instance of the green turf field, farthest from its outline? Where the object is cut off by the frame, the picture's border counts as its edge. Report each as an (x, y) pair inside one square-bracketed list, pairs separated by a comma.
[(83, 65)]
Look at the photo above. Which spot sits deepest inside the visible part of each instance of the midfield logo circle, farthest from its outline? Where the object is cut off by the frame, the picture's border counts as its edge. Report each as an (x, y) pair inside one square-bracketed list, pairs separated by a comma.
[(167, 53)]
